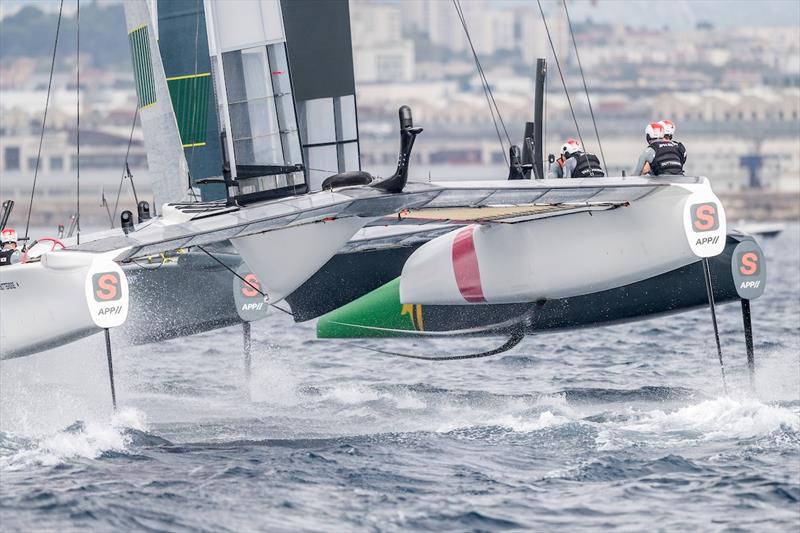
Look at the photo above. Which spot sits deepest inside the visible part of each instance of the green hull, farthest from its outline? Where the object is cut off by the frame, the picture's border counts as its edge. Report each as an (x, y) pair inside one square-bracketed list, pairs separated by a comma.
[(376, 314)]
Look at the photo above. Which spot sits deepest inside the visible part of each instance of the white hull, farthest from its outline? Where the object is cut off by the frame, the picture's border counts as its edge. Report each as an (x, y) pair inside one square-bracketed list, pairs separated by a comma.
[(45, 304), (559, 257)]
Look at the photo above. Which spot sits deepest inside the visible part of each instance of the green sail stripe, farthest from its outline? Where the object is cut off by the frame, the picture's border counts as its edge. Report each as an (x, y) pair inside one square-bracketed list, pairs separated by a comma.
[(142, 67), (189, 95)]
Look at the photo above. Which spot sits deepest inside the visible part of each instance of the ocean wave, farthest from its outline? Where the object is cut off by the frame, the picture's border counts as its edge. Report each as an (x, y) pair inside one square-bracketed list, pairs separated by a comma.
[(87, 440), (721, 418)]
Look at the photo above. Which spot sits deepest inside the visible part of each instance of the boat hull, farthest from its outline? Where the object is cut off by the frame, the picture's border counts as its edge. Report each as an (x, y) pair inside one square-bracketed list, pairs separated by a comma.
[(380, 313), (60, 298), (568, 255)]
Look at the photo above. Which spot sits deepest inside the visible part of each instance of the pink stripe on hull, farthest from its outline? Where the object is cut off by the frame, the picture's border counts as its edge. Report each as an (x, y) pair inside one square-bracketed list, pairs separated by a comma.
[(465, 266)]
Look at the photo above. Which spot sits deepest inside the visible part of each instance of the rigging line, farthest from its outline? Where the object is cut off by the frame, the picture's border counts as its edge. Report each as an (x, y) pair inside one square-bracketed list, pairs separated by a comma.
[(516, 338), (560, 72), (484, 83), (232, 271), (78, 119), (147, 266), (482, 74), (125, 165), (44, 119), (585, 88), (322, 170)]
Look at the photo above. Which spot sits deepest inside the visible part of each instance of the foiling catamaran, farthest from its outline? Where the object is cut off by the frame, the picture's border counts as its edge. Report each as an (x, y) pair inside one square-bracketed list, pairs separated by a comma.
[(479, 257)]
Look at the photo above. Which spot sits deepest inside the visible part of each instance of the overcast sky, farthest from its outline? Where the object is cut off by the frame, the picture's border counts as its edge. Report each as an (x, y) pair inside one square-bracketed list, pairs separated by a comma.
[(637, 13), (683, 13)]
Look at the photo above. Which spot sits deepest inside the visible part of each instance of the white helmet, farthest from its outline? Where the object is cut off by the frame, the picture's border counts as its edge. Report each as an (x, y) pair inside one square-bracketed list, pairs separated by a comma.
[(8, 235), (570, 147), (653, 131), (669, 127)]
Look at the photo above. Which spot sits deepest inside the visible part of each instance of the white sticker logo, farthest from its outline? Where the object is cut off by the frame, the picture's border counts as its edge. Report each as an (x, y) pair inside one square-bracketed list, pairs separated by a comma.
[(106, 290)]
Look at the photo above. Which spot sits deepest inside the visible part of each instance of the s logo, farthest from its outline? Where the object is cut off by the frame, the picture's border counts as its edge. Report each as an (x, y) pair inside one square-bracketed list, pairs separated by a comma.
[(106, 286), (705, 217), (748, 264), (251, 288)]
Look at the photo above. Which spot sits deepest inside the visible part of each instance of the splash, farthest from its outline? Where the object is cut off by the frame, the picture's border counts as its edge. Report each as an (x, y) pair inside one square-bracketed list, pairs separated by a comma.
[(87, 440), (717, 419), (273, 382), (723, 417), (521, 424)]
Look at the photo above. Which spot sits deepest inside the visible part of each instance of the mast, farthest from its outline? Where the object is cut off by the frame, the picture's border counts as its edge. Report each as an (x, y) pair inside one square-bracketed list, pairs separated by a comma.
[(222, 91), (538, 119)]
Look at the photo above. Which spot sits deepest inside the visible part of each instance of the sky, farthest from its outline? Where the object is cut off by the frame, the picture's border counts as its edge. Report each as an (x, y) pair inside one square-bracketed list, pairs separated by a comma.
[(636, 13), (687, 13)]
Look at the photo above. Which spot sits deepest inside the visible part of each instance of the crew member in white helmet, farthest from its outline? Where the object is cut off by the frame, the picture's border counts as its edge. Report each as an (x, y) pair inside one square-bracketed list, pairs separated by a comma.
[(669, 134), (9, 253), (575, 163), (661, 157)]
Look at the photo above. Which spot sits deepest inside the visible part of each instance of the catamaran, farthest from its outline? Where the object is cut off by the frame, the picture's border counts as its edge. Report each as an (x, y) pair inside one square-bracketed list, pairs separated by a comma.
[(293, 195)]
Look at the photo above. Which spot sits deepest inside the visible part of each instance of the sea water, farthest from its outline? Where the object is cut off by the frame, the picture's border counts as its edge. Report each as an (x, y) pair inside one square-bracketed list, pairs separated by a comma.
[(624, 426)]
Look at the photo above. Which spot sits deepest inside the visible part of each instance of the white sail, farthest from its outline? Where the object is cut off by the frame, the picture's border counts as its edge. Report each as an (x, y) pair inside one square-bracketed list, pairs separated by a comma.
[(165, 158), (247, 46)]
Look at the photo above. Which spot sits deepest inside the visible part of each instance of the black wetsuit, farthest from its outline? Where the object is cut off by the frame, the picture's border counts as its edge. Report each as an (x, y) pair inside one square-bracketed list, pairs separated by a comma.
[(5, 257)]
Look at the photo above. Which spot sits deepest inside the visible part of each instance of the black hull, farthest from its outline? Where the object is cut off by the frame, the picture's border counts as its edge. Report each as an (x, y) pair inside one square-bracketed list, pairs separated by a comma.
[(349, 276)]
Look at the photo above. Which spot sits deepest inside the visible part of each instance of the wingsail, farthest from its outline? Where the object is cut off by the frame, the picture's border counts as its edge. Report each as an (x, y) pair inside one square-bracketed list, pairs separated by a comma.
[(274, 81), (165, 159)]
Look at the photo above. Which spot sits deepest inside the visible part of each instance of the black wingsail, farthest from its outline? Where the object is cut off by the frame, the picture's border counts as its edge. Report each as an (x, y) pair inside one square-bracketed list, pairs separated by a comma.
[(183, 42), (321, 59)]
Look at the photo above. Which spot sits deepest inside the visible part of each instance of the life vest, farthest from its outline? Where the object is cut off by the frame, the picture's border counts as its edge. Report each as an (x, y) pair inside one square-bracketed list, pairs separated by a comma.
[(682, 149), (587, 166), (669, 157), (5, 257)]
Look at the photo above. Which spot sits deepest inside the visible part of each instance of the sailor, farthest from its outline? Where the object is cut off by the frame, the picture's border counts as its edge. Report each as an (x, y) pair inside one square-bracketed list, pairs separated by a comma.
[(575, 163), (9, 253), (669, 133), (662, 156)]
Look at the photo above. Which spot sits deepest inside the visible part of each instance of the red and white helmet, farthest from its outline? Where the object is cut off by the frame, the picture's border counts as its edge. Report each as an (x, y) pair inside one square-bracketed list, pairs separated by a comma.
[(669, 127), (570, 147), (653, 131), (8, 235)]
